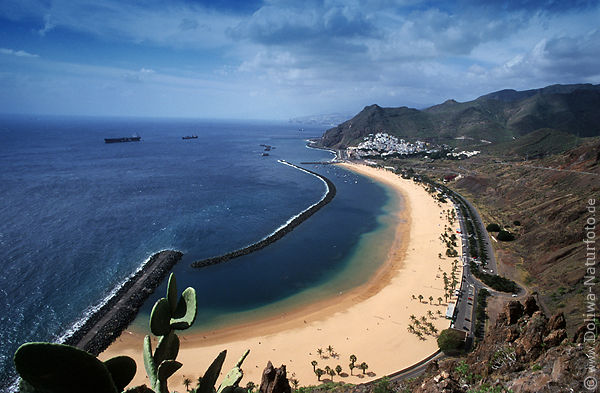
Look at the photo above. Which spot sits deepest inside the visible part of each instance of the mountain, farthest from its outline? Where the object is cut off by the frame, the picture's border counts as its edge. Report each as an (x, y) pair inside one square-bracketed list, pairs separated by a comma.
[(495, 117)]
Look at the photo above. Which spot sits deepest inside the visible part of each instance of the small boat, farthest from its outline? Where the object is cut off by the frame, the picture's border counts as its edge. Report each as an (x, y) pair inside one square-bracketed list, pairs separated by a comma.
[(265, 154), (190, 137), (124, 139)]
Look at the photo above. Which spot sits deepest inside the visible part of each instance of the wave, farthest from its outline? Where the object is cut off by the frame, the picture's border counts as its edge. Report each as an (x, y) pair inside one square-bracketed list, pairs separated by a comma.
[(92, 310)]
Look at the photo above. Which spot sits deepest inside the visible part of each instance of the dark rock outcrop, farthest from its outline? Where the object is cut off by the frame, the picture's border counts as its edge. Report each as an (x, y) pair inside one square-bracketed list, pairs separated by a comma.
[(530, 306), (274, 380)]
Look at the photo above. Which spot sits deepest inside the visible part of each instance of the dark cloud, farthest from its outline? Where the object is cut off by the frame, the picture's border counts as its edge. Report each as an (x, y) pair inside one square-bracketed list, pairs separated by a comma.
[(573, 56)]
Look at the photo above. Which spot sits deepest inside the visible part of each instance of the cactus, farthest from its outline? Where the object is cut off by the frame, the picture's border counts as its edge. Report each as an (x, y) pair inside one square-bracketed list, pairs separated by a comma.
[(234, 376), (230, 382), (168, 314), (46, 367)]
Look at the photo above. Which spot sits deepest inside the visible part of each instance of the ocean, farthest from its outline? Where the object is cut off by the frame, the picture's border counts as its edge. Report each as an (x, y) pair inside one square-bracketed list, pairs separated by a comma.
[(77, 216)]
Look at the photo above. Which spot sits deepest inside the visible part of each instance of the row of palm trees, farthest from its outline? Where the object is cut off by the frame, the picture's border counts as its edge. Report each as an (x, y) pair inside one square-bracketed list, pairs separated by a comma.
[(338, 369), (422, 327), (421, 297)]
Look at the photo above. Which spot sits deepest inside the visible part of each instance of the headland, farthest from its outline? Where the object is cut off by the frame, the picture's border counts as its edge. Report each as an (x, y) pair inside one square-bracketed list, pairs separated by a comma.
[(371, 321)]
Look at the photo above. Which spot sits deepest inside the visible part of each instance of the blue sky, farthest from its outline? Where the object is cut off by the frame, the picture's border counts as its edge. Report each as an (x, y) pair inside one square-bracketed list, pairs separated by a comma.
[(277, 59)]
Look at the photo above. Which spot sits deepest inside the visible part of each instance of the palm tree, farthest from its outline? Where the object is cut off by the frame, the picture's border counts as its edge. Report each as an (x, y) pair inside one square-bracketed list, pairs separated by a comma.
[(338, 369), (440, 301), (187, 382), (319, 373), (320, 352), (353, 359), (439, 313), (332, 373), (327, 369), (364, 366), (250, 386), (351, 366), (429, 314), (414, 297), (314, 364), (430, 299), (420, 298), (330, 349), (412, 317), (423, 319), (295, 383)]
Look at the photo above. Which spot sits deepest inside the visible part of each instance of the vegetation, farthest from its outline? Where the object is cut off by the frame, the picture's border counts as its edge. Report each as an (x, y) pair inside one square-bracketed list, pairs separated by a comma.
[(498, 283), (383, 386), (505, 236), (493, 227), (450, 341), (480, 311)]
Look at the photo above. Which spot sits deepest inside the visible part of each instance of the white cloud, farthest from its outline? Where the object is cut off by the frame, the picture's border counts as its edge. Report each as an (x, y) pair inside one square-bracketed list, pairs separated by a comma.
[(18, 53)]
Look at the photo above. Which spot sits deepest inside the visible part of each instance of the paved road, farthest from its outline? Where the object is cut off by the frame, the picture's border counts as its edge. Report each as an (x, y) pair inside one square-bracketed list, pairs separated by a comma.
[(551, 169)]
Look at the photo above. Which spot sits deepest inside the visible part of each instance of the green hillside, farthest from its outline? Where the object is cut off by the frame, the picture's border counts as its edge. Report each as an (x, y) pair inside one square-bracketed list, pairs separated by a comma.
[(495, 117)]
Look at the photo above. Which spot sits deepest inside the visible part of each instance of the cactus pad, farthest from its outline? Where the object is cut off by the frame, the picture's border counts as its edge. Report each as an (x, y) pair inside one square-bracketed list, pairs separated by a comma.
[(149, 360), (234, 376), (207, 384), (122, 369), (185, 315), (172, 293), (167, 348), (57, 367), (160, 318)]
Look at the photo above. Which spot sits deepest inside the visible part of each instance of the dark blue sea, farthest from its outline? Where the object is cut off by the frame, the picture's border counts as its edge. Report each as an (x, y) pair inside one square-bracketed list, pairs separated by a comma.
[(77, 216)]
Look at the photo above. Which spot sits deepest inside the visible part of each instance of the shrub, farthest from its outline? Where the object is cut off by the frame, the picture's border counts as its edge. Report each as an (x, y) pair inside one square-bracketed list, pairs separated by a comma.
[(493, 227), (383, 386), (450, 341), (517, 223), (505, 236)]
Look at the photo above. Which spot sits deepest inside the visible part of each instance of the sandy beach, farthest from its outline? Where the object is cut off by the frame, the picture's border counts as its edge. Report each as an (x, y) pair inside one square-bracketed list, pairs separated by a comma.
[(370, 321)]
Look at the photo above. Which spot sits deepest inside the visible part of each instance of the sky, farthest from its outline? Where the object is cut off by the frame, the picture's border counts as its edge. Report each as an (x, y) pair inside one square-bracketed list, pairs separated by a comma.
[(280, 59)]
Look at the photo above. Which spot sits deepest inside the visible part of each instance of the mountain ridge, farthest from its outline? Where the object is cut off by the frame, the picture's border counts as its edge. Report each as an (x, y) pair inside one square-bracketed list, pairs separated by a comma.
[(496, 117)]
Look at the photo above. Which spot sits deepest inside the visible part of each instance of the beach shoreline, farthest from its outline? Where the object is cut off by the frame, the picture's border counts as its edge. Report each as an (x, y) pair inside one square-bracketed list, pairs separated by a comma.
[(369, 321)]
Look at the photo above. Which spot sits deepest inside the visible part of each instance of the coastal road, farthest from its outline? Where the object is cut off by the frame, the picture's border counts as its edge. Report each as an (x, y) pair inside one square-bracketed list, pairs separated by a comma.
[(465, 309)]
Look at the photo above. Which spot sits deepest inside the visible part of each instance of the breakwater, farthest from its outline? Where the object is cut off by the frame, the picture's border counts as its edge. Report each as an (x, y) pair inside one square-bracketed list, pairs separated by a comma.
[(282, 230), (107, 320)]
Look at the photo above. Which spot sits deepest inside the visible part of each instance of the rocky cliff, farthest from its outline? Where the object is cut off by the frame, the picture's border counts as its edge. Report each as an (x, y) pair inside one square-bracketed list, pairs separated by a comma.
[(524, 352)]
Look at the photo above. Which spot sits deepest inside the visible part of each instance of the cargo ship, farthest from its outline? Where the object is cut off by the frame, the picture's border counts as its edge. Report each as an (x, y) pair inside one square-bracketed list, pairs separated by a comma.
[(125, 139), (190, 137)]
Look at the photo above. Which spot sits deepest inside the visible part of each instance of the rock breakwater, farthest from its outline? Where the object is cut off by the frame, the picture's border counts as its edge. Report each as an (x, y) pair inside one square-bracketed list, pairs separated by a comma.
[(107, 322), (281, 231)]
